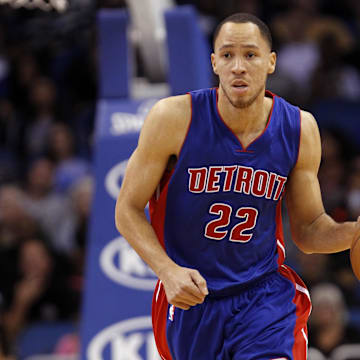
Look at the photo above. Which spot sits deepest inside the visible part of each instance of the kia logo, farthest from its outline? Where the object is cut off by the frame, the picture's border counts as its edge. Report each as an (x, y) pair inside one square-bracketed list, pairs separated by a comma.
[(126, 340), (114, 178), (120, 262)]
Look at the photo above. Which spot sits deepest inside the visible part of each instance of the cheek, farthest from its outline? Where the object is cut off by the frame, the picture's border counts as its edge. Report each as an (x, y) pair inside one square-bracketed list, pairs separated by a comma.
[(259, 70)]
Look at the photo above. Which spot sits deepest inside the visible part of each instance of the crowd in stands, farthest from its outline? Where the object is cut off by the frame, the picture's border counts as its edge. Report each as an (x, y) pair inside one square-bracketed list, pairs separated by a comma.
[(48, 93)]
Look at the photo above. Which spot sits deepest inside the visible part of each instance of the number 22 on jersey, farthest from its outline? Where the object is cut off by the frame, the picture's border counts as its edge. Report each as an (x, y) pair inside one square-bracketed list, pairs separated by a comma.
[(215, 228)]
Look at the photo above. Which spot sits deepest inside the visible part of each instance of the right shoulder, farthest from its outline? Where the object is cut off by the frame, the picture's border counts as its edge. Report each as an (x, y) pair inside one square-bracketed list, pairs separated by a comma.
[(167, 122), (173, 109)]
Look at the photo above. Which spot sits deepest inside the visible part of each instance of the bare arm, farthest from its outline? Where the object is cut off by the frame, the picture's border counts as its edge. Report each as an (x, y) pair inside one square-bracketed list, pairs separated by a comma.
[(162, 136), (312, 229)]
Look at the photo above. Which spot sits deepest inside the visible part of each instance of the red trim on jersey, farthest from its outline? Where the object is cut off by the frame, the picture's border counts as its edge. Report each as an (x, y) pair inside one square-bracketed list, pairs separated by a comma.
[(159, 317), (303, 308), (244, 149), (300, 120), (188, 129), (279, 234), (301, 298), (157, 209)]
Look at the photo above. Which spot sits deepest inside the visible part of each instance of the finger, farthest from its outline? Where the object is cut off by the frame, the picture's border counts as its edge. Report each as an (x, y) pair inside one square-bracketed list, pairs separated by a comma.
[(185, 296), (181, 305), (192, 293), (200, 282), (188, 299)]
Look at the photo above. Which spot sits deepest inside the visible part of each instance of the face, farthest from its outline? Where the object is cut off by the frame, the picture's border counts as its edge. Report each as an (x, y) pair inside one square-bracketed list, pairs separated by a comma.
[(242, 59), (41, 174)]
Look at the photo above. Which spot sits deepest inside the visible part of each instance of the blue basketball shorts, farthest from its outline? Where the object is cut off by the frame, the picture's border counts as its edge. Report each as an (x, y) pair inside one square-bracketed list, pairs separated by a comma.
[(267, 320)]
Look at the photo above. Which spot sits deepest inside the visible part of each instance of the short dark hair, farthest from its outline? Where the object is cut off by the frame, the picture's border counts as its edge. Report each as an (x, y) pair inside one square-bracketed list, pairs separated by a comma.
[(241, 18)]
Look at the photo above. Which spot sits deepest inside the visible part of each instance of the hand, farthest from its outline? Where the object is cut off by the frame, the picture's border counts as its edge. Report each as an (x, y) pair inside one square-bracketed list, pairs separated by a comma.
[(357, 232), (184, 287)]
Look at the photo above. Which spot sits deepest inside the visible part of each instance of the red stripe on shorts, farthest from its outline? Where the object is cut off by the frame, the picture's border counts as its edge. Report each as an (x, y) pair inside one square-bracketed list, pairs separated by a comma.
[(159, 318), (303, 309)]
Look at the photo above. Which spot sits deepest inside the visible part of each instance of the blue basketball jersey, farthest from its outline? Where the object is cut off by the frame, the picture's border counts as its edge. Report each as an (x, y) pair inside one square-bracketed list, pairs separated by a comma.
[(219, 209)]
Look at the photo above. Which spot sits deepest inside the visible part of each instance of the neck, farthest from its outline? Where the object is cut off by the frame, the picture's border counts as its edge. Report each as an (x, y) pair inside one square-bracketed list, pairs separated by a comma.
[(249, 119)]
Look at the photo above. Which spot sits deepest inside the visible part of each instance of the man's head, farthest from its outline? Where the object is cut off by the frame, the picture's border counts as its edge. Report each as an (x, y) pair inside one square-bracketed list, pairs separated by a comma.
[(242, 58), (242, 18)]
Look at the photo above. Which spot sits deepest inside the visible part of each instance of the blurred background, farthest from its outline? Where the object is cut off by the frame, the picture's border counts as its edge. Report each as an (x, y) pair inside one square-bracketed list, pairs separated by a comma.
[(50, 83)]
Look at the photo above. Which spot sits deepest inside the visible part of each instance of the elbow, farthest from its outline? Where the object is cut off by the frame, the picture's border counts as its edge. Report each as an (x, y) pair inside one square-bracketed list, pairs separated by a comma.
[(304, 244), (306, 250), (119, 216)]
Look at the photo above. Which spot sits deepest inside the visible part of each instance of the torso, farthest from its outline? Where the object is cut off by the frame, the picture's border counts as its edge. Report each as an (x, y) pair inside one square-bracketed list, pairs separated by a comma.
[(219, 211)]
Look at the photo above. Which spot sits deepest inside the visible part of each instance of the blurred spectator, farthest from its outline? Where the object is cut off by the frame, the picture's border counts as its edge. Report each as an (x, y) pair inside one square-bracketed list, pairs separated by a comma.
[(312, 48), (328, 321), (24, 71), (313, 268), (297, 54), (15, 222), (41, 291), (10, 142), (81, 195), (69, 167), (342, 81), (353, 193), (331, 175), (42, 101), (51, 210)]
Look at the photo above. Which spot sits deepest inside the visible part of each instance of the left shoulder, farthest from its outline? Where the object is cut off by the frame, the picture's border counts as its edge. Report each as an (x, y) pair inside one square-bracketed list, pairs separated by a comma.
[(309, 126), (310, 144)]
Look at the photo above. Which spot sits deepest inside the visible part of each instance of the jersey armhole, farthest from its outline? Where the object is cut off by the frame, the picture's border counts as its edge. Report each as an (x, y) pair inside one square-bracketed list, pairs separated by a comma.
[(188, 129), (298, 150)]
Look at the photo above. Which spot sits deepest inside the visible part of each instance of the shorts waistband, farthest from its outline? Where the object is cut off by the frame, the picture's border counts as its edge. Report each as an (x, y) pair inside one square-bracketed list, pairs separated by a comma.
[(238, 288)]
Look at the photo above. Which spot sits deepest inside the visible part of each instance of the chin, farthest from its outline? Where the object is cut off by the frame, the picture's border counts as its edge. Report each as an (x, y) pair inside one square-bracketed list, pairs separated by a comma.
[(242, 103)]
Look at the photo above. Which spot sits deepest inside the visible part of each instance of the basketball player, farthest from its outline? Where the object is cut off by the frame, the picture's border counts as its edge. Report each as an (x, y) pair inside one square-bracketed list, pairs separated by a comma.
[(215, 165)]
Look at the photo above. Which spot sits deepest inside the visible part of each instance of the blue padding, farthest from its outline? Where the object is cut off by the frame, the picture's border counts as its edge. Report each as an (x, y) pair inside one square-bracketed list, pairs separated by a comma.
[(42, 337), (189, 51), (113, 54), (116, 322)]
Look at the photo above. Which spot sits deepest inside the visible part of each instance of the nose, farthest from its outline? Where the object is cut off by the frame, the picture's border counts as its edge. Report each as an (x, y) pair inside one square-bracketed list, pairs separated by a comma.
[(238, 66)]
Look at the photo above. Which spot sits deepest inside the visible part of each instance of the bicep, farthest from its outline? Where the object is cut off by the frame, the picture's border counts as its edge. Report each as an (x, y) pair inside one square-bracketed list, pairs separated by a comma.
[(143, 174), (303, 195), (161, 136)]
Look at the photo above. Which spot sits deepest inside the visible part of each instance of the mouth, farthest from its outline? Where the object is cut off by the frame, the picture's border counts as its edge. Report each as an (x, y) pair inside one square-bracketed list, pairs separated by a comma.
[(240, 88), (239, 84)]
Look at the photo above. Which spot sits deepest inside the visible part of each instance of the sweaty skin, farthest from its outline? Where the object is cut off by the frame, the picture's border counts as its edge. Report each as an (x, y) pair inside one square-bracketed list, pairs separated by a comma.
[(242, 59)]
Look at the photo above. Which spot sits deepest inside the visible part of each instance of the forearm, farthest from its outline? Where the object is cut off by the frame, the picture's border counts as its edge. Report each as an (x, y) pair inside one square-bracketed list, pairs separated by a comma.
[(135, 228), (326, 236)]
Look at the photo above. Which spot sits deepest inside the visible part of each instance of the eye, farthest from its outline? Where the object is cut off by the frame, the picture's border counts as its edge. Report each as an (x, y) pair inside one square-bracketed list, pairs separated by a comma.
[(227, 55), (250, 55)]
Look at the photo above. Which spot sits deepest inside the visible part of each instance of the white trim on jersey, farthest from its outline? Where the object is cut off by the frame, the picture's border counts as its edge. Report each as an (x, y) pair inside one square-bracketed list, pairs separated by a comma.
[(158, 291), (281, 246), (303, 290), (306, 341)]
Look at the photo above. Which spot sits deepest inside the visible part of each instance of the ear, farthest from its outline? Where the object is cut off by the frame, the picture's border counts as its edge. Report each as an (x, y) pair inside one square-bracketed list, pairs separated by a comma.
[(272, 62), (213, 63)]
